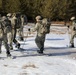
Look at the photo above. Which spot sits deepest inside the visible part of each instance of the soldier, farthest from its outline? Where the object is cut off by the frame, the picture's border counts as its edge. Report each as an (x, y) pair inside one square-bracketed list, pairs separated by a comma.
[(25, 20), (14, 29), (40, 37), (20, 22), (9, 31), (3, 37), (73, 31)]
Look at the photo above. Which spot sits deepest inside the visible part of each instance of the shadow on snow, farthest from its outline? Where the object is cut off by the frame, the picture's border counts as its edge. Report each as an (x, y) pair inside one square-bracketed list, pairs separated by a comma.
[(33, 52)]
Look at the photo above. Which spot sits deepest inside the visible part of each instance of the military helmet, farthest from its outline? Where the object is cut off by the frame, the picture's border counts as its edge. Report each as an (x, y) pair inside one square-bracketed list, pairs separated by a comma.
[(9, 14), (38, 18), (72, 18)]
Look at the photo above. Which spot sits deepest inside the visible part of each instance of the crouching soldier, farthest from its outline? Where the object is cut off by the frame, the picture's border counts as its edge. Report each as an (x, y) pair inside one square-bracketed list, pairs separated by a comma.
[(3, 37)]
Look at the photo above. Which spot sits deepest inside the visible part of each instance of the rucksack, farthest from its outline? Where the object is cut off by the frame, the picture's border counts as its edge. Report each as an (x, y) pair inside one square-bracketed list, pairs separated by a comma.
[(74, 23), (45, 28), (7, 22), (7, 25), (18, 22)]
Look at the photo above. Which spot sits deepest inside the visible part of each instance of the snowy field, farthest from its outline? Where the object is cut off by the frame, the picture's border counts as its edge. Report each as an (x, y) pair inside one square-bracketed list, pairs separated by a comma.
[(59, 59)]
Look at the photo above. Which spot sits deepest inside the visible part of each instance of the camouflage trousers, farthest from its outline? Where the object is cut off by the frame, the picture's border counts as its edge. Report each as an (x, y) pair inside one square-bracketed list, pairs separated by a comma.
[(11, 36), (14, 33), (5, 42), (10, 40), (20, 32), (40, 42), (72, 37)]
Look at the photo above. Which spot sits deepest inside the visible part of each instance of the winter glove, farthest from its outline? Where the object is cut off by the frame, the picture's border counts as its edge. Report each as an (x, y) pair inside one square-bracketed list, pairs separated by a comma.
[(68, 26), (74, 28), (29, 29)]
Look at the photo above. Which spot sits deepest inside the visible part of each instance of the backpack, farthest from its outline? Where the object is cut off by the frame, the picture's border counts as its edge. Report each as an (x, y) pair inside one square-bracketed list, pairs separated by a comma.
[(74, 23), (7, 22), (18, 22), (7, 25), (45, 28)]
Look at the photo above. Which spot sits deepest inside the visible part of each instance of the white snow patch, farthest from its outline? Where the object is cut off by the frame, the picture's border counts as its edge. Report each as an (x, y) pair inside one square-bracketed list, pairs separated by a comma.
[(28, 63)]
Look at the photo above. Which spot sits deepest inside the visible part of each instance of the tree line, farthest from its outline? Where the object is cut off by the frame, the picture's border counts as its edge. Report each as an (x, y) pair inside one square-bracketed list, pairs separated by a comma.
[(53, 9)]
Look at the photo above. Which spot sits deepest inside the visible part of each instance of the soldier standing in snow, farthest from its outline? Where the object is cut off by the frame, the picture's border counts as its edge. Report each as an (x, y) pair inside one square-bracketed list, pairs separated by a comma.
[(73, 31), (3, 37), (9, 31), (20, 29), (40, 37), (14, 29)]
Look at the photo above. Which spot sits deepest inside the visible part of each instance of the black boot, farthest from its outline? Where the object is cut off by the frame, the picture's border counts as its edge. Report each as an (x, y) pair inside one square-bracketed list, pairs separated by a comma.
[(41, 50), (72, 45), (18, 46), (8, 55), (21, 39)]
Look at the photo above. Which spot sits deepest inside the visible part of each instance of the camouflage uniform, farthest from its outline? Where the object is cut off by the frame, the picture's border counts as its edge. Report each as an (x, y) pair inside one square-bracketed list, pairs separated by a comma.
[(14, 30), (20, 29), (3, 37), (40, 38), (9, 32), (73, 31)]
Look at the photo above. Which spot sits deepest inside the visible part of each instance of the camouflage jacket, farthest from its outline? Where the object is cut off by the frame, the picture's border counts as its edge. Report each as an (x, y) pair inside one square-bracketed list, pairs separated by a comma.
[(74, 25), (37, 28)]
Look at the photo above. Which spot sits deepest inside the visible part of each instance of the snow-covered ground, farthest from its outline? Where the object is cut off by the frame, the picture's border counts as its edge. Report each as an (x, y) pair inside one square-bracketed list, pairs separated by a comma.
[(59, 59)]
